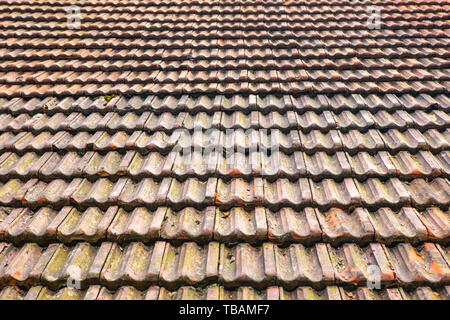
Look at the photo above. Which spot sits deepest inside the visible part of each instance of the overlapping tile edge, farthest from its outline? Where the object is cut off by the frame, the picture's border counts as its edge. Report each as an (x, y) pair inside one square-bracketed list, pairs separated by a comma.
[(219, 293)]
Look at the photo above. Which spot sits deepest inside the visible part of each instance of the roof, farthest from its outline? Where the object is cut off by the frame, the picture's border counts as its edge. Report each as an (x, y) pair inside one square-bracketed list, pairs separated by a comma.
[(99, 200)]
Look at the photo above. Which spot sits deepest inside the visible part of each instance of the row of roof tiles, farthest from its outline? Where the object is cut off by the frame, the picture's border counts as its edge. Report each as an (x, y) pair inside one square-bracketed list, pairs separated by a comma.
[(307, 3), (237, 192), (275, 7), (362, 33), (353, 141), (241, 76), (151, 122), (307, 226), (39, 21), (226, 2), (22, 38), (267, 50), (172, 266), (215, 292), (318, 165), (244, 103), (27, 13), (183, 69), (109, 44), (306, 87)]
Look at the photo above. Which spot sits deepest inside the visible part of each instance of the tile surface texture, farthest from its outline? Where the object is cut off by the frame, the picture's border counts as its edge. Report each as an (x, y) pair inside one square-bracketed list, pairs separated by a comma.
[(319, 150)]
